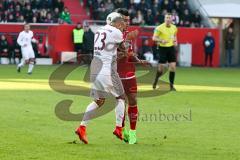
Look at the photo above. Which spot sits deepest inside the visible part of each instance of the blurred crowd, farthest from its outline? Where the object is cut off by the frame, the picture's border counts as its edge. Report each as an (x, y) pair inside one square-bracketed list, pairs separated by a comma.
[(147, 12), (34, 11)]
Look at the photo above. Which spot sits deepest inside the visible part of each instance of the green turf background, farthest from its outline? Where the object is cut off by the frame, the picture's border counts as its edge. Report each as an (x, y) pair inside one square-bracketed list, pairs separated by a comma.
[(29, 128)]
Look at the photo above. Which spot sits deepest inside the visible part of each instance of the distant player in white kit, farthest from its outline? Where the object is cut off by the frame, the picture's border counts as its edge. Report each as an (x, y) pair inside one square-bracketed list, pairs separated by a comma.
[(104, 77), (25, 40)]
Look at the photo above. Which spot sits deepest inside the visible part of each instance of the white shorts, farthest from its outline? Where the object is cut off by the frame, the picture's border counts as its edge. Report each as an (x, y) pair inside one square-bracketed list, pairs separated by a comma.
[(103, 86), (27, 53)]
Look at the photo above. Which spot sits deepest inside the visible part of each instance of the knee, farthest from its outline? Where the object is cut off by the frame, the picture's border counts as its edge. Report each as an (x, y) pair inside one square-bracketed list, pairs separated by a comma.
[(32, 60), (132, 100), (27, 61), (161, 67), (100, 102), (172, 68)]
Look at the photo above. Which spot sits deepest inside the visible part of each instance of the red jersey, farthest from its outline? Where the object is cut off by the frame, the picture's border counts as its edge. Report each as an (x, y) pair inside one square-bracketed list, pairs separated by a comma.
[(126, 68)]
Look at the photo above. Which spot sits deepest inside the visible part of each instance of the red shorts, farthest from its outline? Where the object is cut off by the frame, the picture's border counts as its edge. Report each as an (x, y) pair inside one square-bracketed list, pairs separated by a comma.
[(130, 85)]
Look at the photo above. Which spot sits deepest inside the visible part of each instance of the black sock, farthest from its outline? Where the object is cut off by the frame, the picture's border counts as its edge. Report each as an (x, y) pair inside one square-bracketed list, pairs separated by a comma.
[(171, 78), (158, 74)]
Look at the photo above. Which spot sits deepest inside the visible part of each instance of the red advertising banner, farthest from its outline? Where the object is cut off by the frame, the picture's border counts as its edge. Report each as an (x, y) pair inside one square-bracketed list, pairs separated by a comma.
[(53, 39)]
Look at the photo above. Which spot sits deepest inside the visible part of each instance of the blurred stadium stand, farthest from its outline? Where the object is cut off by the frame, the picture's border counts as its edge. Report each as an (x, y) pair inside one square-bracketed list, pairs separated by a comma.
[(77, 10), (187, 13), (147, 12)]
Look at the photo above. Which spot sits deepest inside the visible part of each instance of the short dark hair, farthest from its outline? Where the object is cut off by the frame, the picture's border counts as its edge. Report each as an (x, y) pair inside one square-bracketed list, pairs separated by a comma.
[(122, 11), (168, 14)]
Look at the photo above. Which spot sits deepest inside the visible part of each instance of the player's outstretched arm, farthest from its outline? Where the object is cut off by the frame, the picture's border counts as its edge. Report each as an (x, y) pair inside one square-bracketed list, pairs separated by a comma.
[(133, 58)]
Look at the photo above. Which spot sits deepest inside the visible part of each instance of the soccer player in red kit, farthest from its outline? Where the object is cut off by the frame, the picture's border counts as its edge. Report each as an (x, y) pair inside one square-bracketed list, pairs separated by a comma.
[(126, 71)]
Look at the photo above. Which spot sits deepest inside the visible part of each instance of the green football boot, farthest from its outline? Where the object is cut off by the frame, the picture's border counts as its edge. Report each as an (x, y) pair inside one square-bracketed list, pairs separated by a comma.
[(125, 135), (132, 137)]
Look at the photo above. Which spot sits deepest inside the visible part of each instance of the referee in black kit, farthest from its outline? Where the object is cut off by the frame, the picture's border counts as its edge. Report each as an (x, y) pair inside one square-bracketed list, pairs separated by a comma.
[(165, 36)]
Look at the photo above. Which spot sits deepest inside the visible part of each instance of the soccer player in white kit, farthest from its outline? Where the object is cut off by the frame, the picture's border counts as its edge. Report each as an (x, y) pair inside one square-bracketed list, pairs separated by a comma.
[(104, 77), (25, 40)]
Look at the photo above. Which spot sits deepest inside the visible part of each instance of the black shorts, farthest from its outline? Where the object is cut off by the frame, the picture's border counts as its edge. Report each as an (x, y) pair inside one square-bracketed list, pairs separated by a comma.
[(167, 54), (78, 47)]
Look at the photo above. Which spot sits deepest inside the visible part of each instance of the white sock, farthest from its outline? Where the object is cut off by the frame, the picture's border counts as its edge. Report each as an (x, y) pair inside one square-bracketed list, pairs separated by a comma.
[(88, 114), (21, 64), (30, 67), (119, 111)]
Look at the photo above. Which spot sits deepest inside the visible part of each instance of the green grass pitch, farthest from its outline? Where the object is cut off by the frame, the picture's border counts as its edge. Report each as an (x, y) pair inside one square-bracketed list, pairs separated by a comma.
[(29, 128)]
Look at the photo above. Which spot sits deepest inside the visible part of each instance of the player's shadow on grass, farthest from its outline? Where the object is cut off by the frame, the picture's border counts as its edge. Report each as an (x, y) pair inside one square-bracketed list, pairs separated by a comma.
[(62, 109)]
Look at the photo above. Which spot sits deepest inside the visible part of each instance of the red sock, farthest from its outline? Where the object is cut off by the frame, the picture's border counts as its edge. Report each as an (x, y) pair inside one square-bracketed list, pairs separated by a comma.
[(133, 116)]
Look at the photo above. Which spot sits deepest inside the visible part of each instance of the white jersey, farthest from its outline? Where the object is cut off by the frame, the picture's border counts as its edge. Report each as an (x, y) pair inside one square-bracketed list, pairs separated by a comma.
[(105, 49), (25, 41), (25, 38)]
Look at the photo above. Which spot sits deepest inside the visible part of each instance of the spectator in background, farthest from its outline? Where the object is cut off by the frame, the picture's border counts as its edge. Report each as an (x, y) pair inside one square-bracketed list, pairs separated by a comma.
[(159, 18), (209, 45), (55, 15), (21, 19), (175, 18), (196, 19), (17, 13), (35, 4), (177, 7), (4, 48), (58, 4), (34, 20), (5, 16), (143, 7), (184, 5), (229, 45), (42, 48), (94, 7), (186, 16), (187, 24), (155, 7), (102, 13), (11, 19), (132, 11), (28, 13), (88, 43), (192, 25), (9, 4), (15, 50), (181, 23), (165, 5), (42, 16), (65, 16), (49, 18), (138, 19), (149, 18), (109, 6), (171, 4), (78, 33), (119, 4)]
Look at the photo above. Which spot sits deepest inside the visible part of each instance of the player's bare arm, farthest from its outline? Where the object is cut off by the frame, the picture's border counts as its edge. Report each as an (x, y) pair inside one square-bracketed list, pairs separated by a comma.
[(122, 51)]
